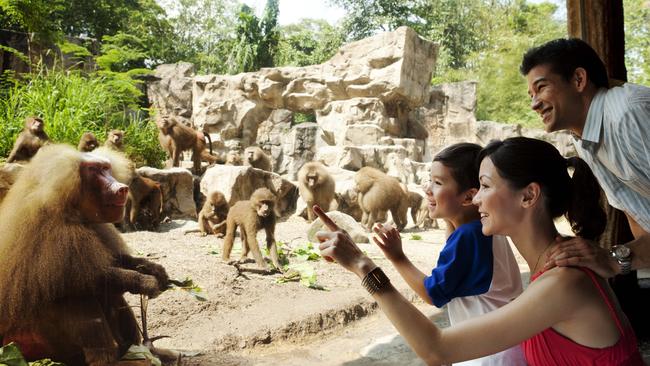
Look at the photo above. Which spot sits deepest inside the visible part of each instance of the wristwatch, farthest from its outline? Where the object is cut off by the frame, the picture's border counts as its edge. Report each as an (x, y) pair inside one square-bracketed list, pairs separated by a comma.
[(623, 256)]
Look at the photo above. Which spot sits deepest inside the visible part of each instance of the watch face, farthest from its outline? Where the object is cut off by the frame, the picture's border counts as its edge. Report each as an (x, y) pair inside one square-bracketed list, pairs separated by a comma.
[(622, 251)]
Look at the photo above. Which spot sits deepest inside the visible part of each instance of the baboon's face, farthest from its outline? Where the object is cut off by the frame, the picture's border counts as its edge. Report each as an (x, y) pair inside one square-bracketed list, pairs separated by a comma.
[(116, 137), (35, 125), (312, 179), (265, 208), (165, 122)]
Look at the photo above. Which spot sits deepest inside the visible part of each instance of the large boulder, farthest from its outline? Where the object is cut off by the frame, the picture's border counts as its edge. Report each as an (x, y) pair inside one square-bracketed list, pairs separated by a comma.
[(177, 188), (238, 183), (171, 91)]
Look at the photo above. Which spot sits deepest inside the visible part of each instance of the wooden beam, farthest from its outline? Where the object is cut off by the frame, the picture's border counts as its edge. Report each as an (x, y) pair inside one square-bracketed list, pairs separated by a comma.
[(600, 23)]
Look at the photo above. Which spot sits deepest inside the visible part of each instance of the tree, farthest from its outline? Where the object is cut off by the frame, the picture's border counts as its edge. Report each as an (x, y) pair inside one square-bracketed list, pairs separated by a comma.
[(309, 42), (637, 40), (257, 40)]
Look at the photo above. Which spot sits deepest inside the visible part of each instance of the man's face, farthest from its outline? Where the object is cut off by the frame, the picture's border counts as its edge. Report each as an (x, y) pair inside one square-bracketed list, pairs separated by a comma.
[(555, 99)]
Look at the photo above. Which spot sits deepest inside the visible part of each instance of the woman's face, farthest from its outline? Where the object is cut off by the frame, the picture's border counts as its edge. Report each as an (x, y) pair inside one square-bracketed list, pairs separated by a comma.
[(498, 204)]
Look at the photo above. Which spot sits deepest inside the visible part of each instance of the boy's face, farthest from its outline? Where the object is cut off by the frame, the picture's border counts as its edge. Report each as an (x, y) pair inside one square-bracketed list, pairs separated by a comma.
[(555, 99), (445, 201), (497, 202)]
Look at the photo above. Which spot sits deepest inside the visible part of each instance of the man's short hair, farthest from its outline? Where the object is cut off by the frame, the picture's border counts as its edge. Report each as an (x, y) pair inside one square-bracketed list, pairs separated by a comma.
[(565, 56)]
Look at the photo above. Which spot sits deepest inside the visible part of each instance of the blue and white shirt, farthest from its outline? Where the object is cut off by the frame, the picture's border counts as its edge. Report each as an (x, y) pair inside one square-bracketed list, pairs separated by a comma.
[(476, 274), (615, 143)]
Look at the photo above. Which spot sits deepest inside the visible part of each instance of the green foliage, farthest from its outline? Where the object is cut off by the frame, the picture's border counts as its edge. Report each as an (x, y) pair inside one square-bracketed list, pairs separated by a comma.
[(257, 40), (40, 17), (637, 40), (71, 103), (309, 42), (415, 237), (74, 49), (122, 52), (299, 117), (10, 355)]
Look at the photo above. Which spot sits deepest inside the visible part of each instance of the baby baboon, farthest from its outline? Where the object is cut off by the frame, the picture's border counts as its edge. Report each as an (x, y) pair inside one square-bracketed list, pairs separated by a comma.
[(115, 140), (253, 215), (212, 217), (257, 158), (175, 138), (316, 187), (144, 204), (233, 157), (88, 142), (31, 139), (378, 193)]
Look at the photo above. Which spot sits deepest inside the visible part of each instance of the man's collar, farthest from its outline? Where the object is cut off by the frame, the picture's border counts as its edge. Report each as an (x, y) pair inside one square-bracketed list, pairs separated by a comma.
[(592, 130)]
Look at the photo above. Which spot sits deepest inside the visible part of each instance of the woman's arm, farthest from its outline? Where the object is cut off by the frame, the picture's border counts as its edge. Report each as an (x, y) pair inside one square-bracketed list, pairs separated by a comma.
[(545, 303)]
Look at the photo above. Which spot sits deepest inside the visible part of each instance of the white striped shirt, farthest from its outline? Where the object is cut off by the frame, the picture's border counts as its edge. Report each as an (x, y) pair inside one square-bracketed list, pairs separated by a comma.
[(615, 144)]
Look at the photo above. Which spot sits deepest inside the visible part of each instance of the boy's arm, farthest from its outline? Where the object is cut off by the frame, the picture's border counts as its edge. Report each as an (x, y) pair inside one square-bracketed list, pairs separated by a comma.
[(413, 277)]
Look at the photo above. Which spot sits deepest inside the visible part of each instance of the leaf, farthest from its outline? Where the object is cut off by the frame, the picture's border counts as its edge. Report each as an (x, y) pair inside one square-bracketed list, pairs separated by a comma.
[(416, 237), (188, 286), (140, 352), (10, 355)]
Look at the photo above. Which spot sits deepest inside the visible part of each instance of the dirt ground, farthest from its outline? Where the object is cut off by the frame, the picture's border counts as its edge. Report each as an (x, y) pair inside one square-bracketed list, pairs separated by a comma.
[(250, 319), (247, 311)]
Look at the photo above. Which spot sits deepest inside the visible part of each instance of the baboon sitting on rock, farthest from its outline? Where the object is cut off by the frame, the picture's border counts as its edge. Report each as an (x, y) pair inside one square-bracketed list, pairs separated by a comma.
[(379, 193)]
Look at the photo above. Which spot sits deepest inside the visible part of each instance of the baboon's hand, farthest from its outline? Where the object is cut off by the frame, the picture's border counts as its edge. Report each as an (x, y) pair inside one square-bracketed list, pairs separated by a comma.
[(150, 286), (155, 270)]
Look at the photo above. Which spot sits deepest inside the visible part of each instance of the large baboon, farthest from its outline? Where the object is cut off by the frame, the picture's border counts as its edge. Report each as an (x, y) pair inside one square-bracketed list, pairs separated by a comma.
[(28, 142), (256, 157), (251, 216), (316, 187), (87, 142), (63, 266), (378, 193), (212, 217), (175, 138), (115, 140)]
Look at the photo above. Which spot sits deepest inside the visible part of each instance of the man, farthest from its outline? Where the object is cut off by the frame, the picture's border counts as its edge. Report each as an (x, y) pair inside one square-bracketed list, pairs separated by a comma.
[(568, 85)]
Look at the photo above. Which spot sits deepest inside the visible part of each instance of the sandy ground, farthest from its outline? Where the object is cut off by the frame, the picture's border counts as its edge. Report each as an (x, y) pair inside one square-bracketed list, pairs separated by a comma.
[(250, 319), (246, 311)]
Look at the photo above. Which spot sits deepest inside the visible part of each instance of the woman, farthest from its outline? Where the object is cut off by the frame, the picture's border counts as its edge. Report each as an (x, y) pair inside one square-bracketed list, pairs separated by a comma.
[(566, 316)]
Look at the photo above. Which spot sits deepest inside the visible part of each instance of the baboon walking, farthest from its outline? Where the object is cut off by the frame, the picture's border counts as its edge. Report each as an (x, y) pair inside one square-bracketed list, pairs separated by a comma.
[(378, 193), (175, 138), (251, 216)]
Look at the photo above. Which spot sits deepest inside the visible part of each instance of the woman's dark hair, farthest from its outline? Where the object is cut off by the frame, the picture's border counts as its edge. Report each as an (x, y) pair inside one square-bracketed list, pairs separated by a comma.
[(565, 56), (461, 160), (522, 160)]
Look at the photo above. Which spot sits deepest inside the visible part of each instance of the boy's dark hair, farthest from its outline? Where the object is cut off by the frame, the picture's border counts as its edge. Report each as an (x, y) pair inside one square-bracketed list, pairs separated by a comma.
[(522, 160), (565, 56), (461, 160)]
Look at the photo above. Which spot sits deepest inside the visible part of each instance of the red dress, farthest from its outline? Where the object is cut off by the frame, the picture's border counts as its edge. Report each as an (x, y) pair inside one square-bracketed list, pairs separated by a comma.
[(550, 348)]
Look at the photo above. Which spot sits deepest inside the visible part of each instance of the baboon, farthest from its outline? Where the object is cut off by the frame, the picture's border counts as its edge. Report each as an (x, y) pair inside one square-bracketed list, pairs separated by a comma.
[(64, 267), (233, 157), (212, 217), (251, 216), (316, 187), (115, 140), (30, 139), (175, 138), (145, 203), (256, 157), (88, 142), (378, 193)]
